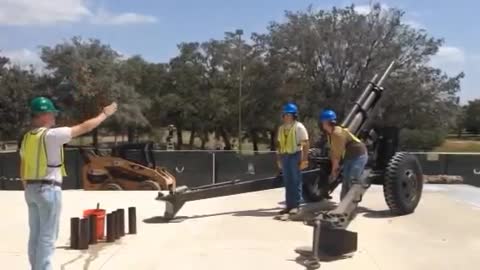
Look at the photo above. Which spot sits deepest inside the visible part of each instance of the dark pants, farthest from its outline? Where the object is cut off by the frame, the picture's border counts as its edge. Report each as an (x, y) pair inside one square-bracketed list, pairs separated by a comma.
[(292, 178)]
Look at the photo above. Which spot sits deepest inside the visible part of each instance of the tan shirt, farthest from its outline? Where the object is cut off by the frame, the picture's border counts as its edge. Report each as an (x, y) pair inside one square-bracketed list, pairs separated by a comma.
[(342, 142)]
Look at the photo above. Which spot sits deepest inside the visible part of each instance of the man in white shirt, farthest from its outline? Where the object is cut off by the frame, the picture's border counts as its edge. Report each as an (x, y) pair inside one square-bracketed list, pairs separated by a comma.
[(42, 170), (292, 157)]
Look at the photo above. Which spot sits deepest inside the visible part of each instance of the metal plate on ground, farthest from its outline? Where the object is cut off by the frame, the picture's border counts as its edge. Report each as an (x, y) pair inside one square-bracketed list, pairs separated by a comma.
[(336, 242)]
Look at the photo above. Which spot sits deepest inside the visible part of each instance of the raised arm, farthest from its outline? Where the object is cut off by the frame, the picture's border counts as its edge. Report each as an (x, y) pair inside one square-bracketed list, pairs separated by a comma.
[(94, 122)]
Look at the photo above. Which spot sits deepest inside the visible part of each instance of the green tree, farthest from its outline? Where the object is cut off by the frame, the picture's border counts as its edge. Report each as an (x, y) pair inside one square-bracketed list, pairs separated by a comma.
[(92, 77), (472, 116), (327, 57), (16, 90)]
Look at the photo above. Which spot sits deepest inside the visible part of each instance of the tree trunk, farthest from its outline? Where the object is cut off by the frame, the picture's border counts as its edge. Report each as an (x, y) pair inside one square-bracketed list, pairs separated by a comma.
[(95, 138), (179, 137), (204, 139), (192, 138), (254, 136), (130, 134), (273, 145), (226, 139)]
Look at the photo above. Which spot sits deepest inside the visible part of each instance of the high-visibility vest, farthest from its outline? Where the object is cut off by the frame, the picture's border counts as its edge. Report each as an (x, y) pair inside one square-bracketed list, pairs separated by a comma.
[(287, 139), (34, 156), (352, 136)]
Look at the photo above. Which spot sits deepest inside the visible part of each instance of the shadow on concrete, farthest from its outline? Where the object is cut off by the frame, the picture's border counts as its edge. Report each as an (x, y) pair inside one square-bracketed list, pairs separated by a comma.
[(308, 211), (322, 258), (161, 220), (269, 212), (369, 213), (92, 253)]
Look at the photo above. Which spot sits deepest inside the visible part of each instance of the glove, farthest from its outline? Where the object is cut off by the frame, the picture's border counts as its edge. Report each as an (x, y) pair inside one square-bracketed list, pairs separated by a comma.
[(332, 178), (279, 164), (303, 164)]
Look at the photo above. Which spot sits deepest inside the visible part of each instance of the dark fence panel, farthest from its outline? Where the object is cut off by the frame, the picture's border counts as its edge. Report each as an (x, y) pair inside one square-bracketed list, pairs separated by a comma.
[(72, 180), (192, 169), (465, 165), (2, 179), (196, 168), (432, 163), (232, 166), (10, 164), (10, 171)]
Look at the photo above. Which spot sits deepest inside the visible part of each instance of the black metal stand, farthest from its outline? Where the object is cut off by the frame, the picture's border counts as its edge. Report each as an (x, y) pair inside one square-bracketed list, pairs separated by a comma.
[(110, 228), (132, 220), (314, 261), (116, 224), (121, 222), (74, 232), (93, 229), (84, 234)]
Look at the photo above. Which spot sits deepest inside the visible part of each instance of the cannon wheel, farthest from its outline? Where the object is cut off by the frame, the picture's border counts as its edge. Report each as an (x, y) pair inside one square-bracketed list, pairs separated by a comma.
[(403, 183)]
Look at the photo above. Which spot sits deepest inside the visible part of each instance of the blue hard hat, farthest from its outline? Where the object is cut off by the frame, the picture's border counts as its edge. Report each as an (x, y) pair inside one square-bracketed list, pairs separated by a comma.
[(290, 108), (328, 115)]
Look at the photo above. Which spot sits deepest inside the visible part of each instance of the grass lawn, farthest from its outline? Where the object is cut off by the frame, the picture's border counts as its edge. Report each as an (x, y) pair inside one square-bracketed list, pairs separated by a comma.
[(455, 145)]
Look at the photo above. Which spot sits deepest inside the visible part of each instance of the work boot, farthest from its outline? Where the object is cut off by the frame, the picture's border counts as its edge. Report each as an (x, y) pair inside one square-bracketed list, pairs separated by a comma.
[(284, 211), (297, 214), (294, 211)]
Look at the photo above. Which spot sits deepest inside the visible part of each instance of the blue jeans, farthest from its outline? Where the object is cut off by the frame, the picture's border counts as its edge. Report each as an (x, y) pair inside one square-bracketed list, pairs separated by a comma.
[(352, 171), (44, 206), (292, 178)]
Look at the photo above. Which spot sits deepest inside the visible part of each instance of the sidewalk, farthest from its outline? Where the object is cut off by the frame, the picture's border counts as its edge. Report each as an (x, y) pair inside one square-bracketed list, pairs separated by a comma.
[(238, 232)]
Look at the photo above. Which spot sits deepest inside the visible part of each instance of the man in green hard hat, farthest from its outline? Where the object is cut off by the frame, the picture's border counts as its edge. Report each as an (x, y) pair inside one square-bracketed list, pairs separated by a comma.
[(42, 170)]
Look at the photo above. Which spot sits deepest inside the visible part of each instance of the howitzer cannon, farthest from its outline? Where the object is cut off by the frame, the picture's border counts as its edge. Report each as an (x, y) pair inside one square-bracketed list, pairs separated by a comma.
[(399, 173)]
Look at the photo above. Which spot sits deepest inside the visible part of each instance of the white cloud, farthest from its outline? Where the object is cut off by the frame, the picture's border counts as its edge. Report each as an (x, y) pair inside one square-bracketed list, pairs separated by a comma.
[(103, 17), (46, 12), (23, 58), (366, 9), (25, 12), (363, 9), (450, 59)]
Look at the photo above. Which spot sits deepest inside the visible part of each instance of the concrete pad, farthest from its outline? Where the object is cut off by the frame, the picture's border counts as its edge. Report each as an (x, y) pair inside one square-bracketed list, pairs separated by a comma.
[(238, 232)]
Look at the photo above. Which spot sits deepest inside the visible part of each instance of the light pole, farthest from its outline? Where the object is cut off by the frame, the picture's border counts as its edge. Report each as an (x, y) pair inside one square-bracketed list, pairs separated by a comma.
[(239, 33)]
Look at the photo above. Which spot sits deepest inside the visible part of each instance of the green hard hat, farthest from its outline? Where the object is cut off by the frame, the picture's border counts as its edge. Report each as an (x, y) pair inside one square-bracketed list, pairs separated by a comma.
[(42, 105)]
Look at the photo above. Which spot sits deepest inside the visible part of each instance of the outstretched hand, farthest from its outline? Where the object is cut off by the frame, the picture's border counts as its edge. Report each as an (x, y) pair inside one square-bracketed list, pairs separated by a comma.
[(110, 109)]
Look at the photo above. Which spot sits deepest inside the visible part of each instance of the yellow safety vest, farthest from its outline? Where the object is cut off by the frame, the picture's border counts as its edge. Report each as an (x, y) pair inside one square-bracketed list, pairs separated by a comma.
[(352, 136), (34, 156), (287, 139)]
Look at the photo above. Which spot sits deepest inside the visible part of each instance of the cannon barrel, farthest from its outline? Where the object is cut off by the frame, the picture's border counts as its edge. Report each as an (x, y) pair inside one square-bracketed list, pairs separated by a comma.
[(357, 117), (360, 100)]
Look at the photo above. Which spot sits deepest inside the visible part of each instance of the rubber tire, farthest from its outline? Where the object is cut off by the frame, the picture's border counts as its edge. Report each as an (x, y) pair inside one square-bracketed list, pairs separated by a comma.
[(396, 187), (149, 185), (112, 186)]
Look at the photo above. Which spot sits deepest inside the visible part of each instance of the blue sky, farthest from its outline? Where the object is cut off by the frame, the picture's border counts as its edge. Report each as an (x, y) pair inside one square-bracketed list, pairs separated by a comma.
[(153, 28)]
